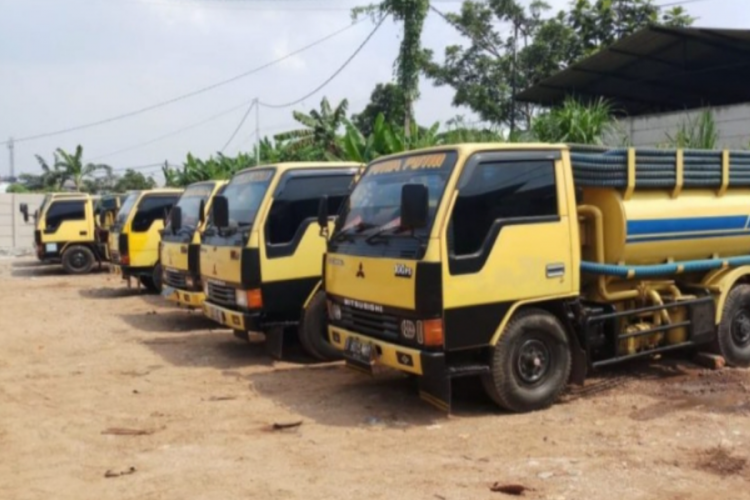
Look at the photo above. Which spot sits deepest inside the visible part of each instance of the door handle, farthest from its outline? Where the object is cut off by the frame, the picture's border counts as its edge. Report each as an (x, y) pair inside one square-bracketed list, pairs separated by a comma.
[(83, 233), (556, 270)]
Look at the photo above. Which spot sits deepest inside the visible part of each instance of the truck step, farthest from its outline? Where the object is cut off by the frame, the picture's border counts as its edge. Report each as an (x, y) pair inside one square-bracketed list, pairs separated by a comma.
[(467, 370)]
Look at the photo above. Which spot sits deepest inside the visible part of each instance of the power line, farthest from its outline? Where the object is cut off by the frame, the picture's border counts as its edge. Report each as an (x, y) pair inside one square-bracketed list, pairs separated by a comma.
[(173, 133), (239, 126), (184, 96), (335, 74)]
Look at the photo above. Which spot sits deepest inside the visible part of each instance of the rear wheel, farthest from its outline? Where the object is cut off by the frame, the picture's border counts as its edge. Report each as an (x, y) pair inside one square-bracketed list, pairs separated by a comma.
[(530, 365), (733, 337), (78, 259), (313, 330)]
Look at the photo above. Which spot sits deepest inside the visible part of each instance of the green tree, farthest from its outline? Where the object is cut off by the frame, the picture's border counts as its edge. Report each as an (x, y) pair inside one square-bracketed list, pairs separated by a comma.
[(17, 188), (132, 180), (411, 56), (51, 178), (319, 137), (72, 167), (386, 99)]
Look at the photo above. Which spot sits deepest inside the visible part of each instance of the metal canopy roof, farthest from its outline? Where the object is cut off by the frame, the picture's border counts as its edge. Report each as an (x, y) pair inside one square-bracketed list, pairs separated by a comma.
[(655, 70)]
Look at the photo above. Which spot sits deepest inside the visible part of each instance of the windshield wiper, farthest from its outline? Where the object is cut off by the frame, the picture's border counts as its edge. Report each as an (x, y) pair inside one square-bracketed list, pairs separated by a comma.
[(373, 238)]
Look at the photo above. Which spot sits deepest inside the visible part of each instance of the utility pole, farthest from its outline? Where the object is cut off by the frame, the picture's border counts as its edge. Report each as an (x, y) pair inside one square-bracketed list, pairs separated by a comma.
[(12, 160), (257, 132)]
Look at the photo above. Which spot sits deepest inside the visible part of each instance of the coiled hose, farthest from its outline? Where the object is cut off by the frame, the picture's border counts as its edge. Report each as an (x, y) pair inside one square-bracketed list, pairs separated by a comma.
[(655, 168)]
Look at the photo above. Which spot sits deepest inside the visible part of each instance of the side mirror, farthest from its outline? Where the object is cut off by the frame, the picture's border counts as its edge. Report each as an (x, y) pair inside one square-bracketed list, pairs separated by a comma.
[(414, 206), (25, 211), (220, 211), (323, 212), (175, 219), (202, 212)]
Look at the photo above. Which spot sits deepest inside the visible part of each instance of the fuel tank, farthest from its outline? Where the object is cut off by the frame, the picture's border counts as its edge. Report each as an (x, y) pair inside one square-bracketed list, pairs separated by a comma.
[(652, 227)]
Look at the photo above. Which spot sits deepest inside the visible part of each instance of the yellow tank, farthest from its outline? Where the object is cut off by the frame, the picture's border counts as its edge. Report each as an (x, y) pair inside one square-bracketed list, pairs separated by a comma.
[(652, 227)]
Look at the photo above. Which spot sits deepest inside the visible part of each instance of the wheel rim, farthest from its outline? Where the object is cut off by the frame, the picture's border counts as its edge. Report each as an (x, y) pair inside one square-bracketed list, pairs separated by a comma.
[(78, 260), (741, 329), (533, 361)]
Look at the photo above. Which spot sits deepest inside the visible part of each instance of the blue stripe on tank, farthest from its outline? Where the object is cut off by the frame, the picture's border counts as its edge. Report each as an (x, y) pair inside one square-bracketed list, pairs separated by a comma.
[(688, 228)]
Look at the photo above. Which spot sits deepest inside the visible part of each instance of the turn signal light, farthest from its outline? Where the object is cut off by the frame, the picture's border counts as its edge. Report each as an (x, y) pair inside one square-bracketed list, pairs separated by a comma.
[(125, 260), (433, 332), (254, 299)]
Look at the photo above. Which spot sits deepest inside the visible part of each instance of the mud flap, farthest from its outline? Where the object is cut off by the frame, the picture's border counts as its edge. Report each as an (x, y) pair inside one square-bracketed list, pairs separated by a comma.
[(435, 383), (275, 341)]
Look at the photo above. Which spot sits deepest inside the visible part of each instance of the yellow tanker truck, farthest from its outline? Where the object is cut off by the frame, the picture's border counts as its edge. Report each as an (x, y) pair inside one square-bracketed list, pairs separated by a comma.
[(530, 265)]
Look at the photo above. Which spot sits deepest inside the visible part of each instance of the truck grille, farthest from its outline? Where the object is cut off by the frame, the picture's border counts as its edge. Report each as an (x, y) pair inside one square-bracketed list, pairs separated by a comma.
[(378, 325), (175, 279), (221, 294)]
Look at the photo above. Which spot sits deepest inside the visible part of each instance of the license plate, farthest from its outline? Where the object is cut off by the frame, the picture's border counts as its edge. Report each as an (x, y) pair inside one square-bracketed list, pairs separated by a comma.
[(50, 247), (167, 291), (360, 353), (215, 314)]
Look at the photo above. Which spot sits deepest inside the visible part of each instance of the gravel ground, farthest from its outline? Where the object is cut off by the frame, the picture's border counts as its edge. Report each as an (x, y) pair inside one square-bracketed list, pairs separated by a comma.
[(109, 393)]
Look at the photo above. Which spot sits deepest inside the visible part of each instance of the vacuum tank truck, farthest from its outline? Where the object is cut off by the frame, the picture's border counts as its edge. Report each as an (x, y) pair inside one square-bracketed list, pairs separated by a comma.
[(530, 265)]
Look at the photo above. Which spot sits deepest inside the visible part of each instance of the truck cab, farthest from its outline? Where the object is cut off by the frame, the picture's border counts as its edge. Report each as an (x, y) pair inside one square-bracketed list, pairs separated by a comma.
[(261, 253), (65, 232), (180, 244), (136, 233)]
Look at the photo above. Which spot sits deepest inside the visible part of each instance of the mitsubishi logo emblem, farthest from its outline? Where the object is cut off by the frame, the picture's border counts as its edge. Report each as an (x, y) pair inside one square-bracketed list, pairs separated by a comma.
[(361, 271)]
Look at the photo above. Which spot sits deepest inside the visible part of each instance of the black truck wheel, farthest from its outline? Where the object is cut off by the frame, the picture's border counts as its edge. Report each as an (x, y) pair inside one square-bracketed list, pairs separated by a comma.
[(733, 337), (153, 283), (78, 259), (530, 365), (313, 330)]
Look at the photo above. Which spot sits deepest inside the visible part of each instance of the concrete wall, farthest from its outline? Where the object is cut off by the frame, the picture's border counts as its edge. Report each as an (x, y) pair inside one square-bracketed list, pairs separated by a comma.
[(732, 123), (15, 234)]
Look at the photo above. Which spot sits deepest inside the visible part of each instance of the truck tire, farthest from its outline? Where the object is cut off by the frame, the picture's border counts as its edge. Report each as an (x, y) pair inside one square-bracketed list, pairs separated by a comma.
[(313, 330), (153, 283), (733, 336), (531, 363), (78, 259)]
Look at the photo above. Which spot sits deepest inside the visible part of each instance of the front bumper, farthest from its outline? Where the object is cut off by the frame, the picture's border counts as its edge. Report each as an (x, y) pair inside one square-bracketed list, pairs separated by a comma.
[(434, 376), (183, 298), (236, 320)]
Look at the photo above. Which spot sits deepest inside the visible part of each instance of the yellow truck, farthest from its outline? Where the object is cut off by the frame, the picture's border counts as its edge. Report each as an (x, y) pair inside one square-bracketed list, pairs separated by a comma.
[(135, 236), (65, 232), (528, 265), (261, 253), (179, 251)]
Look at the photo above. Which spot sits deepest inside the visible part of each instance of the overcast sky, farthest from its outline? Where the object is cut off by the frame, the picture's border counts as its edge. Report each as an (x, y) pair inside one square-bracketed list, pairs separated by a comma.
[(65, 63)]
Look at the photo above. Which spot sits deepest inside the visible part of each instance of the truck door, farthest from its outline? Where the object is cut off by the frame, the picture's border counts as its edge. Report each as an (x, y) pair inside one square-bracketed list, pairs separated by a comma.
[(508, 239), (65, 222), (293, 246)]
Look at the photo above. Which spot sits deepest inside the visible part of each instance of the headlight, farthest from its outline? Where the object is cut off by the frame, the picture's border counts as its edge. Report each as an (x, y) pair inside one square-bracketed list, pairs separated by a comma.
[(336, 312), (241, 298), (408, 329)]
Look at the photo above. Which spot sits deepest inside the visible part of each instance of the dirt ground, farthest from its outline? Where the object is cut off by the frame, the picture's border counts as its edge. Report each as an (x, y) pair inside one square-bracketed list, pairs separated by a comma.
[(106, 393)]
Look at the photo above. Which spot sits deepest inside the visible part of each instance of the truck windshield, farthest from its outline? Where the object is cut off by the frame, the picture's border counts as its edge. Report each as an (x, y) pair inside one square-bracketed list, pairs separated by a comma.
[(125, 209), (245, 193), (190, 203), (375, 202)]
